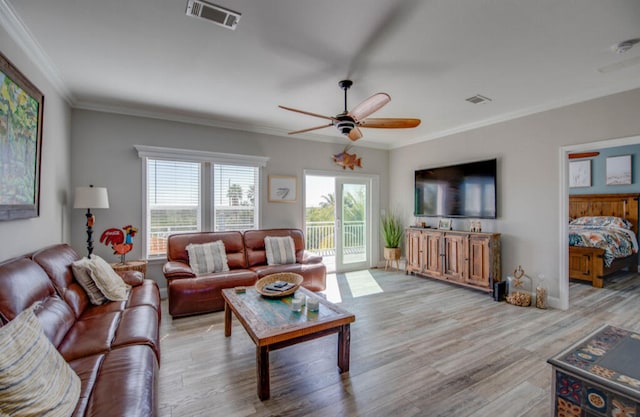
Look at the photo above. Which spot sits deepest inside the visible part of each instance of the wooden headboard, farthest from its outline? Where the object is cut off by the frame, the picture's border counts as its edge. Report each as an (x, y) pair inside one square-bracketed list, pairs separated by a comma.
[(619, 205)]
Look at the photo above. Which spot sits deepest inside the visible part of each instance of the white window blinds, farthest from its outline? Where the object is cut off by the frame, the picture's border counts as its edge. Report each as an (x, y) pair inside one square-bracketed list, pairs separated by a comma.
[(191, 191), (235, 197), (173, 201)]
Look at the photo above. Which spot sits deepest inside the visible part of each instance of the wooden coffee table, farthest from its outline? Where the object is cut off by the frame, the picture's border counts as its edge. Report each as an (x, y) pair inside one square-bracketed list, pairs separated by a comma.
[(272, 325)]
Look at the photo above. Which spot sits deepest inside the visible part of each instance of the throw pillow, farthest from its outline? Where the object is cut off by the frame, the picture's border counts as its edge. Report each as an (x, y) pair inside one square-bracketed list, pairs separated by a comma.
[(280, 250), (82, 273), (107, 280), (34, 380), (207, 257)]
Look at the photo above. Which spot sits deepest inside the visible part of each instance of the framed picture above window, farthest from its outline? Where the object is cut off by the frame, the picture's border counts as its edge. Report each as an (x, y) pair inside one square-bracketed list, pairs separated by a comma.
[(21, 110), (282, 189), (580, 173), (619, 170)]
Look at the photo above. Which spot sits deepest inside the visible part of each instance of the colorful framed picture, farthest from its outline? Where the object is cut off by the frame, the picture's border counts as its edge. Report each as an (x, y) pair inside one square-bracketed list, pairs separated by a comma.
[(580, 173), (619, 170), (21, 110), (444, 224), (283, 189)]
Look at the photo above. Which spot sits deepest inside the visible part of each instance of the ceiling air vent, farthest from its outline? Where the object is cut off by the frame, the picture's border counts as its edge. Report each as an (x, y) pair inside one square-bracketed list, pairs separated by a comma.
[(217, 14), (477, 99)]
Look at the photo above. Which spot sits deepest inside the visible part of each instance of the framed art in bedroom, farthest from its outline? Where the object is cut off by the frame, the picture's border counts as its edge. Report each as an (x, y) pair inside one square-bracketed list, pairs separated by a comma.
[(580, 174), (619, 170), (21, 110)]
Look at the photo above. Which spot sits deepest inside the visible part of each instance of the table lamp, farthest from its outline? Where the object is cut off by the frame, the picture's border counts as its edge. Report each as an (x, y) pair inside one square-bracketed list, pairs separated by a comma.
[(91, 198)]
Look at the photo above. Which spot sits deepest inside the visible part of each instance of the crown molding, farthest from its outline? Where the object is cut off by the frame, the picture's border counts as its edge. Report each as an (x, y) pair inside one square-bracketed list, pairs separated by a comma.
[(21, 35)]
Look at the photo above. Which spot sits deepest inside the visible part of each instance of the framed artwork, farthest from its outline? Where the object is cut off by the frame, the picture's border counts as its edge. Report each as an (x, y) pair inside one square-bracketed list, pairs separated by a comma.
[(619, 170), (21, 110), (283, 189), (580, 173), (444, 224)]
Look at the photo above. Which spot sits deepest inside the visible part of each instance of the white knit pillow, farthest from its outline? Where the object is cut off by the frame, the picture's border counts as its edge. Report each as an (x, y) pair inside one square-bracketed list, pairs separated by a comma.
[(207, 257), (107, 280), (34, 378), (280, 250), (82, 273)]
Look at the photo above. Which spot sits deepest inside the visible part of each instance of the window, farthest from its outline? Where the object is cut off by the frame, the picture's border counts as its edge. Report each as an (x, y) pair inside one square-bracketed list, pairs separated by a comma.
[(234, 197), (189, 191)]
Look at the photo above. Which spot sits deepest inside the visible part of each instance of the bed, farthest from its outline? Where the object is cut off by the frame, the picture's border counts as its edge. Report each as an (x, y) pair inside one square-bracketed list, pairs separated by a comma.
[(593, 264)]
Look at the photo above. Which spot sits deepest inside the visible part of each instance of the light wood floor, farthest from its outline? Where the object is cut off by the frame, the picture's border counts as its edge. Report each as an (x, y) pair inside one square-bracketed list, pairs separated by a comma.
[(419, 347)]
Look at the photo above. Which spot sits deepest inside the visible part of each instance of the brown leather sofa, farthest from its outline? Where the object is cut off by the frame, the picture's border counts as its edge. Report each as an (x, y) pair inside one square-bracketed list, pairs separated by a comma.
[(114, 347), (190, 294)]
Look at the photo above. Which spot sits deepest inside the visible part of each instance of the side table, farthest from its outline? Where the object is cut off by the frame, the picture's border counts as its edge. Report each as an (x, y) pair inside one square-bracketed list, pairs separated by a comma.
[(139, 265)]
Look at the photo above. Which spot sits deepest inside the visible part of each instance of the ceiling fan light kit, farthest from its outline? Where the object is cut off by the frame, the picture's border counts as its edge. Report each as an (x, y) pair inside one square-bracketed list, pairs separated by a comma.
[(349, 123)]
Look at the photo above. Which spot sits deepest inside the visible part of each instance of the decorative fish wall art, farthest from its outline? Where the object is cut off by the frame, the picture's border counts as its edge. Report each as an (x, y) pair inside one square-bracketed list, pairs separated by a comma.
[(347, 160)]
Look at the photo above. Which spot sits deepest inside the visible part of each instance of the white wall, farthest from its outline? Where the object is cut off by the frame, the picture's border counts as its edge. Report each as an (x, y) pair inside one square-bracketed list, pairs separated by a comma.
[(52, 226), (103, 155), (528, 152)]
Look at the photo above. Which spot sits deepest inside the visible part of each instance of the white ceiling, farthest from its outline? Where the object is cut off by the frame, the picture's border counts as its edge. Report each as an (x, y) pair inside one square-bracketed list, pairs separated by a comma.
[(147, 57)]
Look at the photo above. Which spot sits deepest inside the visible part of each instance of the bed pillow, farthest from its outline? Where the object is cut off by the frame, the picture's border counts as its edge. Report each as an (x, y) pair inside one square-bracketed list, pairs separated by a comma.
[(35, 379), (601, 221), (82, 272), (280, 250), (107, 280), (207, 257)]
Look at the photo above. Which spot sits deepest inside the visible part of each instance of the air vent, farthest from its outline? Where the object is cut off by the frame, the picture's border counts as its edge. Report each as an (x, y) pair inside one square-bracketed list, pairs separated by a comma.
[(217, 14), (478, 99)]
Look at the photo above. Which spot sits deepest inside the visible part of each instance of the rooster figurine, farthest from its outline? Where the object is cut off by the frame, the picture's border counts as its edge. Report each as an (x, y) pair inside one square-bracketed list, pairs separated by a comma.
[(120, 242)]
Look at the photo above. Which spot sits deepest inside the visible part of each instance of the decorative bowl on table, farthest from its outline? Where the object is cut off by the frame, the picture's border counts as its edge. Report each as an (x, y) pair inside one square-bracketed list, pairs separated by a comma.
[(279, 285)]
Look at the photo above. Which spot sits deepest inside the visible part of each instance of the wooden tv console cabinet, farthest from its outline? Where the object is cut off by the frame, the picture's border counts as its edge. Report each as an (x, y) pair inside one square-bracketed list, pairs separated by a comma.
[(465, 258)]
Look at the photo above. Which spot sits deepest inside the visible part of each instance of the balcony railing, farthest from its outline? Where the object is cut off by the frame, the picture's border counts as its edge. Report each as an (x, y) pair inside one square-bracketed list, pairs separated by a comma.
[(320, 237)]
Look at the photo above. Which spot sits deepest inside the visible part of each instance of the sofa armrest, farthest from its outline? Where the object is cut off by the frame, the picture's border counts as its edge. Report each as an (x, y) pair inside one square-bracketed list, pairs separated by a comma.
[(133, 278), (177, 269), (310, 258)]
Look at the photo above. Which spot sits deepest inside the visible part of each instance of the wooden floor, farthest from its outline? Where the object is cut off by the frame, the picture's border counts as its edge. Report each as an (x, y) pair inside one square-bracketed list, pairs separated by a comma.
[(419, 347)]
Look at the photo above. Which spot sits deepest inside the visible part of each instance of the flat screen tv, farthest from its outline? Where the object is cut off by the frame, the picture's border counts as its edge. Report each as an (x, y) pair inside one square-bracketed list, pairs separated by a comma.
[(463, 190)]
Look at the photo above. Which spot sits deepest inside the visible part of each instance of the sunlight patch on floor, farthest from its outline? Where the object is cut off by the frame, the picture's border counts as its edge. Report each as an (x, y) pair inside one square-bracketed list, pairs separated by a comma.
[(332, 292), (362, 283)]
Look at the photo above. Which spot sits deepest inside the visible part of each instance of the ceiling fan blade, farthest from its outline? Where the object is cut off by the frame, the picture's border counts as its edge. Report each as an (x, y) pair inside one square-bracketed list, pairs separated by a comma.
[(389, 123), (310, 129), (355, 134), (370, 106), (309, 113)]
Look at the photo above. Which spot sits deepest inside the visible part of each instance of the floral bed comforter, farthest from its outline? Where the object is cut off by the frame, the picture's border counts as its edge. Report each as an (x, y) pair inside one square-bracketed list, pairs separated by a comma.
[(616, 242)]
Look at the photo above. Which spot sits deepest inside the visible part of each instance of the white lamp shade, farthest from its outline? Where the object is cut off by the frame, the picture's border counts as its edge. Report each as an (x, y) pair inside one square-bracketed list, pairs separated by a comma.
[(91, 198)]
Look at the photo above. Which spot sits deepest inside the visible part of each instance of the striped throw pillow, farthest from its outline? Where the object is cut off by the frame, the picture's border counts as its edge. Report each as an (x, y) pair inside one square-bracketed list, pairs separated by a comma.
[(207, 257), (280, 250), (34, 378)]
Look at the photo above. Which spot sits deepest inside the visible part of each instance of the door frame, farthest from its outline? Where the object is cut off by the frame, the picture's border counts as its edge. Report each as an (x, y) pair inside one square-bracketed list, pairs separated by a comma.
[(563, 294), (374, 206)]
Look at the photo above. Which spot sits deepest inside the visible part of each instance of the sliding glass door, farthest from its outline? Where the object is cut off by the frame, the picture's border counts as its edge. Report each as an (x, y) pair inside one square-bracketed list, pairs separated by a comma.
[(338, 219)]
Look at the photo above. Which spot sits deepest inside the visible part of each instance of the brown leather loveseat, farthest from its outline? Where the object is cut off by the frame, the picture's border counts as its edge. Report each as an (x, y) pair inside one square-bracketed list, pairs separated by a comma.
[(113, 347), (190, 294)]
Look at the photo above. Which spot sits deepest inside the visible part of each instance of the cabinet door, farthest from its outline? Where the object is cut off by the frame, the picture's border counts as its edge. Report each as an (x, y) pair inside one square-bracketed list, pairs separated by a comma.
[(455, 257), (432, 244), (414, 252), (479, 261)]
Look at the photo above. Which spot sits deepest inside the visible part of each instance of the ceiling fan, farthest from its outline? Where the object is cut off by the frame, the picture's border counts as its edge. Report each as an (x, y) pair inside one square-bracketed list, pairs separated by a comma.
[(350, 122)]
